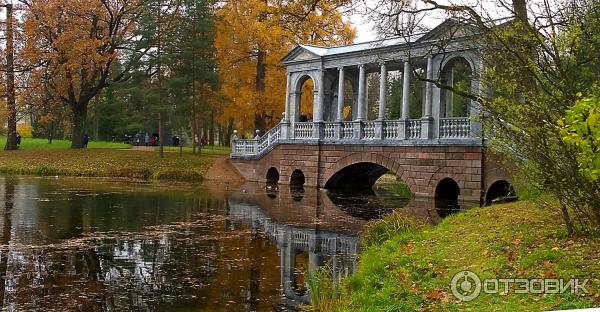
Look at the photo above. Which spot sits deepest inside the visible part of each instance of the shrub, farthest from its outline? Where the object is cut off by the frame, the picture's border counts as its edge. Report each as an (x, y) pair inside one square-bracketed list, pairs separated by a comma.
[(378, 231)]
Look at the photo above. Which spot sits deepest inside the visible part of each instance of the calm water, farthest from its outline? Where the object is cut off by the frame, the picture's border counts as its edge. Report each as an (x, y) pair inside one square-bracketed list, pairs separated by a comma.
[(101, 245)]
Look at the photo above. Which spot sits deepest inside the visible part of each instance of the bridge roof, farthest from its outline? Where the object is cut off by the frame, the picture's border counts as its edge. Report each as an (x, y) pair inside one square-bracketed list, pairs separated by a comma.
[(321, 51)]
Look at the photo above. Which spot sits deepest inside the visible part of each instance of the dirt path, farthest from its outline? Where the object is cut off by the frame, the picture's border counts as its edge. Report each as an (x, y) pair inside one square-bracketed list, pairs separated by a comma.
[(223, 171), (142, 148)]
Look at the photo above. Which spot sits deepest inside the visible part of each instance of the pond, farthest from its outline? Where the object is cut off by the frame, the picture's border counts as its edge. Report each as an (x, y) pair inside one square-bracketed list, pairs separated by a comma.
[(104, 245)]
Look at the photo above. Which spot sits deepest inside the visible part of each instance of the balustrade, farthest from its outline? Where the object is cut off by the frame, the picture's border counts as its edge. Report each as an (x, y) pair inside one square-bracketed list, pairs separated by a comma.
[(347, 130), (303, 130), (411, 129), (369, 130), (329, 131), (455, 128)]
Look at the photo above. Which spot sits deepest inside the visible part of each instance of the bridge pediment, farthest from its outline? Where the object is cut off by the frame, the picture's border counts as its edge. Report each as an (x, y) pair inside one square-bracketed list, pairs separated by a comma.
[(447, 30), (304, 53)]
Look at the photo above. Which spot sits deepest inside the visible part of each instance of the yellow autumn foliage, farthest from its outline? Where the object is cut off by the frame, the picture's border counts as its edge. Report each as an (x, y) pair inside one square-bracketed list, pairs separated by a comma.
[(254, 35)]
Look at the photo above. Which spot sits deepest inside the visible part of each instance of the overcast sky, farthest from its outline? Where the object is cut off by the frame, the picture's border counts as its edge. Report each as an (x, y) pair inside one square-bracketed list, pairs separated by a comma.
[(488, 9), (364, 28)]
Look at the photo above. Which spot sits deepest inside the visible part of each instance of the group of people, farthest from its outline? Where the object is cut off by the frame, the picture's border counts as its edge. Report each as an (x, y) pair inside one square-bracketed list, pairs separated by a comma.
[(149, 140)]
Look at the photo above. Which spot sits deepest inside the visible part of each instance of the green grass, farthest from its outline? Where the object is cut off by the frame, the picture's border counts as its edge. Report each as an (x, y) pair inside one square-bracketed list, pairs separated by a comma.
[(379, 231), (412, 270), (395, 186), (105, 163), (42, 144), (325, 291)]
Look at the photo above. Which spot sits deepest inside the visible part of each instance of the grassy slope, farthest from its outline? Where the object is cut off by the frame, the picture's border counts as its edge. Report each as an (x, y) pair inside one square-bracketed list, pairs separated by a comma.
[(412, 272), (106, 163)]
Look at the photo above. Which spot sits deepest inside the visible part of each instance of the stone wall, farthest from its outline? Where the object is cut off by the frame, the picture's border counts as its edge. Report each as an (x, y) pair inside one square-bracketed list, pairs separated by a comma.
[(421, 167)]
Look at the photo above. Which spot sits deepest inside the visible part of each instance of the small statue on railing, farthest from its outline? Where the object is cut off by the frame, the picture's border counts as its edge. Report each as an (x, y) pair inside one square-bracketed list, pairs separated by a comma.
[(257, 135)]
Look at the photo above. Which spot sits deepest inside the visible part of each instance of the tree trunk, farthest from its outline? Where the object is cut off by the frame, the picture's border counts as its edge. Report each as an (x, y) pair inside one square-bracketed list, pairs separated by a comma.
[(520, 8), (180, 141), (79, 111), (11, 139), (194, 133), (161, 151), (96, 117), (229, 133), (211, 133), (261, 71)]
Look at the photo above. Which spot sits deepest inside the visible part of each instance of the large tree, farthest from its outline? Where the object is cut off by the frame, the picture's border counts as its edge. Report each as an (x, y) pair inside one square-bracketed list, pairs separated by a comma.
[(74, 45), (538, 62), (253, 36)]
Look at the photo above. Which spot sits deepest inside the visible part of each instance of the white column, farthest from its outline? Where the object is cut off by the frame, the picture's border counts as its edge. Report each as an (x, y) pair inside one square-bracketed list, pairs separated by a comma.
[(382, 91), (340, 99), (429, 87), (361, 94), (318, 111), (286, 116), (405, 90)]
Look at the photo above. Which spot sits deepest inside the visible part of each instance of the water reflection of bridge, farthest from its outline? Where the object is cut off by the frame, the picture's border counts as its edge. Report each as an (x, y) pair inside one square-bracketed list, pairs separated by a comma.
[(301, 249)]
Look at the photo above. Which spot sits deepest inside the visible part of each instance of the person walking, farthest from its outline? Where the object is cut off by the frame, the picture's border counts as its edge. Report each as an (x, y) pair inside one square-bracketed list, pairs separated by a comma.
[(86, 140), (147, 139), (18, 139)]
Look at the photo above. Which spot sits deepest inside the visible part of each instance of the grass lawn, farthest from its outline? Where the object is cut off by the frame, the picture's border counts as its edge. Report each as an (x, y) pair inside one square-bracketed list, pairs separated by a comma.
[(105, 163), (413, 270), (32, 143)]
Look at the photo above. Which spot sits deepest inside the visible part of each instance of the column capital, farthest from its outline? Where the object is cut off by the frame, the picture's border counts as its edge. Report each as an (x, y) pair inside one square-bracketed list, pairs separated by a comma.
[(361, 66), (340, 68), (382, 63)]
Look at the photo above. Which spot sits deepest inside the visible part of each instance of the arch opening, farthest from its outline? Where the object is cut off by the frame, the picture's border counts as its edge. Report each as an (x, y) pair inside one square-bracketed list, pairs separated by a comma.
[(359, 177), (305, 93), (446, 197), (272, 176), (457, 73), (500, 191), (297, 179)]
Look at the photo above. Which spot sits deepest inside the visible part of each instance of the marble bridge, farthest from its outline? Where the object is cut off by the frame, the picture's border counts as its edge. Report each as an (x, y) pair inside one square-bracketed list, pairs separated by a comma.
[(428, 136)]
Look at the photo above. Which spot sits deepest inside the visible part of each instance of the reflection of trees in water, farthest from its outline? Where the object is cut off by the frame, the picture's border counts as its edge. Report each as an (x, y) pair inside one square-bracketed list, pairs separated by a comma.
[(160, 271), (366, 205), (200, 262), (9, 190)]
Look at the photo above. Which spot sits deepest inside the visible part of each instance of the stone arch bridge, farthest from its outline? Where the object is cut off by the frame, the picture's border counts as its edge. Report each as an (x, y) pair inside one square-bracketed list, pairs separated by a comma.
[(433, 141)]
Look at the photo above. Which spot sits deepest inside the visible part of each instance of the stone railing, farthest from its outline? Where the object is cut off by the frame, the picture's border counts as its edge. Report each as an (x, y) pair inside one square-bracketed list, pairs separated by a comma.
[(348, 132), (303, 130), (256, 146), (455, 128), (413, 129)]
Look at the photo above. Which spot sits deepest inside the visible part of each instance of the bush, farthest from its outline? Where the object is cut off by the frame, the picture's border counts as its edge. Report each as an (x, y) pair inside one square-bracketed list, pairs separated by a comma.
[(378, 231)]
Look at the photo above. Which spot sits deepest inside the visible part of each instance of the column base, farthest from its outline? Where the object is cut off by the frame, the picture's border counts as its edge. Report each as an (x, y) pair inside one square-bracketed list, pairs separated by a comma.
[(427, 128), (402, 126), (379, 135), (285, 129), (317, 130)]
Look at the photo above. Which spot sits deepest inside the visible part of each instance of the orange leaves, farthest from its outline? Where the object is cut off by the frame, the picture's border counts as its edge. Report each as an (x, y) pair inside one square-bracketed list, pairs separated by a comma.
[(246, 27), (75, 41)]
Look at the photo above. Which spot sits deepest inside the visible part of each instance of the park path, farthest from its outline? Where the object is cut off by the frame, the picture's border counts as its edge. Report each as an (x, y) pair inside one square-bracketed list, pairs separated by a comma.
[(142, 148)]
